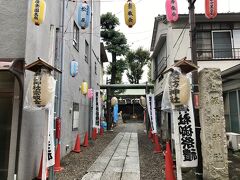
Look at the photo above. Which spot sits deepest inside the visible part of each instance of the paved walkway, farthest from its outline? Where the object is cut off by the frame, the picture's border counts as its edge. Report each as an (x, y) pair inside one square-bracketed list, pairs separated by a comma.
[(119, 160)]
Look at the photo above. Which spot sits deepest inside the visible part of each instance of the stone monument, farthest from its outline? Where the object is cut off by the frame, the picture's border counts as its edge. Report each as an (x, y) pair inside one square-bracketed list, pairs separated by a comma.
[(213, 135)]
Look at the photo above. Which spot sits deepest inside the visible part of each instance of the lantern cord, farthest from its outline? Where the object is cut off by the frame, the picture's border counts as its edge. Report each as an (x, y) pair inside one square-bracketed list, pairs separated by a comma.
[(180, 43), (81, 33), (180, 34)]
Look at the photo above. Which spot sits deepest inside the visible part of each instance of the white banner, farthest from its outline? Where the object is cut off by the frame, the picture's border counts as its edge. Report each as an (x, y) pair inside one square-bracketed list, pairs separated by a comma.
[(51, 145), (184, 121), (151, 112), (96, 108)]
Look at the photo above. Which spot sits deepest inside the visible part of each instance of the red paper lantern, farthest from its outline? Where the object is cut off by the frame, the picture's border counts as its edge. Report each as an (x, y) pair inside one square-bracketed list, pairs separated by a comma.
[(172, 10), (210, 8)]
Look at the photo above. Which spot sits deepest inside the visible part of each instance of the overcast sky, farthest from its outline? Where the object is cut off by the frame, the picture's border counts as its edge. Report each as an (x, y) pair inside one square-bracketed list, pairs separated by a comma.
[(141, 33)]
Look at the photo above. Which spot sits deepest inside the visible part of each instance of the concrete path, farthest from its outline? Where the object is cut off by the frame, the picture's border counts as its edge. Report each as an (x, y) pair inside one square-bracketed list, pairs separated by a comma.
[(118, 161)]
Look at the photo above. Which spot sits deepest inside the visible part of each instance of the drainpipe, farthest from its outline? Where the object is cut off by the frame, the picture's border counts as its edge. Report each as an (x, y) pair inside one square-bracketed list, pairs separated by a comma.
[(62, 57), (90, 68)]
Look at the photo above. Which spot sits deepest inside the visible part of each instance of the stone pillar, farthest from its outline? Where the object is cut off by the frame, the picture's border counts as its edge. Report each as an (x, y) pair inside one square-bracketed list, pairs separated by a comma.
[(213, 136)]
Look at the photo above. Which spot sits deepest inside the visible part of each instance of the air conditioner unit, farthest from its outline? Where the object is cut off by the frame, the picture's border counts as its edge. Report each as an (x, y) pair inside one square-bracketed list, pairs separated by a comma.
[(233, 140)]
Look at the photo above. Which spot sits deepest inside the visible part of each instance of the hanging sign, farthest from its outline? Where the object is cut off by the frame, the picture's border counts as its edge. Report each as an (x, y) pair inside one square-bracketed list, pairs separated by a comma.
[(171, 10), (83, 15), (184, 120), (151, 111), (210, 8), (73, 68), (38, 11), (179, 88), (96, 108), (130, 13)]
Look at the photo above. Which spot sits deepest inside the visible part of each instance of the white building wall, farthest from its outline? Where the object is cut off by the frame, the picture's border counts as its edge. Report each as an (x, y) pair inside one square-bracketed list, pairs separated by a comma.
[(20, 38), (178, 47)]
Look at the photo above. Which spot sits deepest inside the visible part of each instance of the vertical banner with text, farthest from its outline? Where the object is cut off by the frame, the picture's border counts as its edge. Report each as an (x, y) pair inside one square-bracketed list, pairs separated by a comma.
[(184, 120), (151, 112), (96, 108)]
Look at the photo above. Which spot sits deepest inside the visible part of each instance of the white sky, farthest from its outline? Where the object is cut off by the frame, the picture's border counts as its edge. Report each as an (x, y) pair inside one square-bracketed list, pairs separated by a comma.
[(141, 33)]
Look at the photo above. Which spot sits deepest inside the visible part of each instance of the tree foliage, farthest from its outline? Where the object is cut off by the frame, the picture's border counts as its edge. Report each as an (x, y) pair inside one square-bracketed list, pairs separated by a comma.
[(121, 67), (135, 62), (115, 41)]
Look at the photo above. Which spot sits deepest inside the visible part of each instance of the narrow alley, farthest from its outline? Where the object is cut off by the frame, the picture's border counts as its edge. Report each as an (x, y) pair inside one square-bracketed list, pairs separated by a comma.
[(115, 155), (125, 153)]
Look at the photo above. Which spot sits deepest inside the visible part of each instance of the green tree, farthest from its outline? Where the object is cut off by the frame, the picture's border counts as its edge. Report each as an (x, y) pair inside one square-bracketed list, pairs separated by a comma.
[(115, 41), (135, 62), (121, 67)]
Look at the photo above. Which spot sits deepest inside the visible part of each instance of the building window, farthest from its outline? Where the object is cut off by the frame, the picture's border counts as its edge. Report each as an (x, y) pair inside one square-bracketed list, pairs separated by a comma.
[(75, 36), (232, 110), (95, 67), (75, 116), (86, 51), (222, 44)]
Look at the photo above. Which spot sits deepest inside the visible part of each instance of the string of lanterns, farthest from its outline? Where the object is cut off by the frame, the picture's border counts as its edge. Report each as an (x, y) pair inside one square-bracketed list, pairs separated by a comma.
[(172, 9), (83, 14)]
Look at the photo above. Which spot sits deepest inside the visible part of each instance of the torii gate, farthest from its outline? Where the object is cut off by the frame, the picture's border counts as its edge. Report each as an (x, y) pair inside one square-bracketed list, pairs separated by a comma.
[(110, 87)]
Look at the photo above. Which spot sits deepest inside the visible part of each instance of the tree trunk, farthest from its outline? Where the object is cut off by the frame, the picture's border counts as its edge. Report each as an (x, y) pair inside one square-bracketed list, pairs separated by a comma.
[(114, 68)]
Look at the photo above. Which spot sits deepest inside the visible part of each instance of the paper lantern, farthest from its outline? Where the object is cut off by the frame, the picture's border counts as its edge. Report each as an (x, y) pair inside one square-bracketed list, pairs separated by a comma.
[(42, 89), (83, 15), (73, 68), (179, 89), (38, 11), (114, 101), (90, 93), (143, 102), (84, 87), (171, 10), (210, 8), (130, 13)]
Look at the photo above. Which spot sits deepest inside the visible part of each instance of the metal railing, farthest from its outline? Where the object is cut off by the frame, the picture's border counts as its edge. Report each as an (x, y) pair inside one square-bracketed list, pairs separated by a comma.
[(215, 54)]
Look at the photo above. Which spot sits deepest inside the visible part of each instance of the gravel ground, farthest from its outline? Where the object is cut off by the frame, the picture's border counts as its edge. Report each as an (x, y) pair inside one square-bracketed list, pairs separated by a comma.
[(76, 164), (152, 166)]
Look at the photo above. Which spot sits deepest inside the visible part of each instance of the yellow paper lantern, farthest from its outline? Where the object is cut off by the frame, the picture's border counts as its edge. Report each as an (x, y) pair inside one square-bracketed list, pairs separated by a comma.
[(179, 89), (84, 87), (42, 89), (38, 11), (130, 13)]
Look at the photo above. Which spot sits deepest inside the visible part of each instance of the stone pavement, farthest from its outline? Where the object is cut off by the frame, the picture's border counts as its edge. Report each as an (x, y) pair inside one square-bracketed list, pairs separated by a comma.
[(118, 161)]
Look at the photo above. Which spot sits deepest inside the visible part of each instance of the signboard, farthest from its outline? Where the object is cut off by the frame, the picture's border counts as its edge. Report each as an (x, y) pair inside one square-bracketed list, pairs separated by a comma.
[(96, 108), (184, 121), (151, 112)]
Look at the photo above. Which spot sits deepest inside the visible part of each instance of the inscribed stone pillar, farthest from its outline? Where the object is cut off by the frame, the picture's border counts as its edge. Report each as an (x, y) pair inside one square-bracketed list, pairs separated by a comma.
[(213, 136)]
